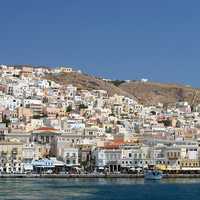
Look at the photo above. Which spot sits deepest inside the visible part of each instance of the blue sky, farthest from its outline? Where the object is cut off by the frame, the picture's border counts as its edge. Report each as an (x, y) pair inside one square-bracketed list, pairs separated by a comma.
[(123, 39)]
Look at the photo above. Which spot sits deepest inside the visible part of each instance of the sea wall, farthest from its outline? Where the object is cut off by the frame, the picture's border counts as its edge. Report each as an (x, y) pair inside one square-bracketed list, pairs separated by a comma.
[(94, 176)]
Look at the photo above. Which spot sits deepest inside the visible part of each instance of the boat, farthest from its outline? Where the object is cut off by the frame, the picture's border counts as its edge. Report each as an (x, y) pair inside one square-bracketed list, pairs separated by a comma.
[(153, 175)]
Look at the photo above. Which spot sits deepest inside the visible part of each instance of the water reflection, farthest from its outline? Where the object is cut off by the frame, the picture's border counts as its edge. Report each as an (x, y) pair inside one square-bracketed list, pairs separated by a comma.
[(116, 189), (181, 181)]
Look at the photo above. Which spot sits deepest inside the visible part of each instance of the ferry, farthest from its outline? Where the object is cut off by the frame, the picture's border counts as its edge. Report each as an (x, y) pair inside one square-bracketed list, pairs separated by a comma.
[(153, 175)]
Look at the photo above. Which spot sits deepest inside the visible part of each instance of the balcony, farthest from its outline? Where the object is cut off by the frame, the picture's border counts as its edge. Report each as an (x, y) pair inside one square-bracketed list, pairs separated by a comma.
[(14, 151)]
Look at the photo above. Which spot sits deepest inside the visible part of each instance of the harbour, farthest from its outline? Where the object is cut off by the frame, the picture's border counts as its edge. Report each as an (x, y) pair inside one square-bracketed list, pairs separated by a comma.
[(94, 176), (98, 188), (99, 100)]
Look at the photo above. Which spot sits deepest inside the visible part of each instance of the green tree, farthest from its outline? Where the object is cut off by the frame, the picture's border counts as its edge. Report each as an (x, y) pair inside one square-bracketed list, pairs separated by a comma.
[(69, 109), (82, 106), (5, 120)]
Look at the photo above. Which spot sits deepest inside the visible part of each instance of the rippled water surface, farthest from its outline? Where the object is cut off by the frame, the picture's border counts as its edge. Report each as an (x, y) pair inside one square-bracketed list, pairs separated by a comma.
[(99, 189)]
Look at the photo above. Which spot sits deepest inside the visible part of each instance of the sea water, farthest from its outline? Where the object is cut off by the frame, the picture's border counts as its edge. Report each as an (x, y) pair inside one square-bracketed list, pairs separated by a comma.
[(99, 189)]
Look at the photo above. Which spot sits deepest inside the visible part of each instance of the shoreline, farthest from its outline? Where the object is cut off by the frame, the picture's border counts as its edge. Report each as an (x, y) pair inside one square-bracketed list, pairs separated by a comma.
[(82, 176)]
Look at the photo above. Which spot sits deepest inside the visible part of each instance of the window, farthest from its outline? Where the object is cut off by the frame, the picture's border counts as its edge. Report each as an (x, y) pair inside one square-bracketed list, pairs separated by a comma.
[(135, 155), (129, 155), (90, 133)]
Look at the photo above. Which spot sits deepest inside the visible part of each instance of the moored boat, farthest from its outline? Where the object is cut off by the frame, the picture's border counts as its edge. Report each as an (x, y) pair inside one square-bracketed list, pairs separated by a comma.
[(153, 175)]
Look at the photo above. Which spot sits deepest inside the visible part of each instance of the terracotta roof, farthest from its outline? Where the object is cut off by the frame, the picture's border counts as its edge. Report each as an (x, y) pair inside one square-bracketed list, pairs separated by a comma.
[(114, 144), (111, 146), (46, 129)]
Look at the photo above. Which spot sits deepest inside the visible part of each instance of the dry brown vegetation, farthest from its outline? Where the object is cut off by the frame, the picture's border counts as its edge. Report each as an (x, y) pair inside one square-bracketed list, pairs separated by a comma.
[(84, 81), (147, 93), (152, 93)]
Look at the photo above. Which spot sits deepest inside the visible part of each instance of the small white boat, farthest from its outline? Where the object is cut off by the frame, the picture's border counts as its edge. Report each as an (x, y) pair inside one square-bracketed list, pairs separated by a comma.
[(153, 175)]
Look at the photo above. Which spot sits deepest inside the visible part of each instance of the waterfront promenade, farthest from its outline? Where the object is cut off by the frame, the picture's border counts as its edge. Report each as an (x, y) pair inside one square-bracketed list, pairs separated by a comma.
[(134, 176)]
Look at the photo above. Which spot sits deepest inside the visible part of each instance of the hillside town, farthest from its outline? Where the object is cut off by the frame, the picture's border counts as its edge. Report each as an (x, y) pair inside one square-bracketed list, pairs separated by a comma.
[(46, 127)]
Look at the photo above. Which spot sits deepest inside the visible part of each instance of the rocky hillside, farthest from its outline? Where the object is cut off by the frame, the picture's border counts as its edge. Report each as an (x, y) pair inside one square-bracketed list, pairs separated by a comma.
[(152, 93), (147, 93), (84, 81)]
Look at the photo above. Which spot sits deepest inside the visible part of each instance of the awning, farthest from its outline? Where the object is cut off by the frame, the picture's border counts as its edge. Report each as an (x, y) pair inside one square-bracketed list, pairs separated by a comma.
[(100, 167), (28, 167), (59, 164)]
